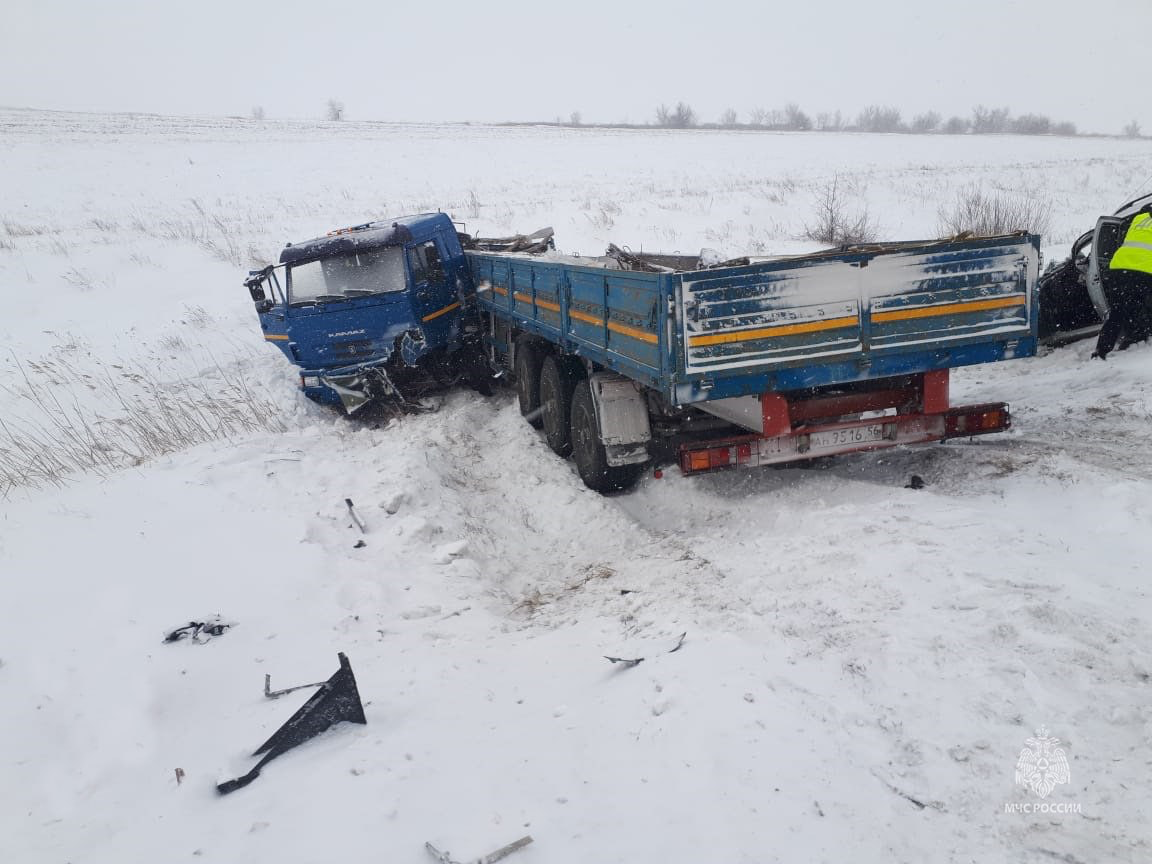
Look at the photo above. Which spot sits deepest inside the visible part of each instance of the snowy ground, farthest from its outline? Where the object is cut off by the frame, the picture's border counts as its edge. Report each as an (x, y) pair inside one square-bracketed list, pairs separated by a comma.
[(863, 663)]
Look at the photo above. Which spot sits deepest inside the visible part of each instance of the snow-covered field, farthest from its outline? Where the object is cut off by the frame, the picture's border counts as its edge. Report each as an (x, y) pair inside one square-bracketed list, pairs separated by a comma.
[(863, 664)]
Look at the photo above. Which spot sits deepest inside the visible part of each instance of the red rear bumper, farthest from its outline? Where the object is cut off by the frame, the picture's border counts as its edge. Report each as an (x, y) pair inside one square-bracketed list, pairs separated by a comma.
[(836, 437)]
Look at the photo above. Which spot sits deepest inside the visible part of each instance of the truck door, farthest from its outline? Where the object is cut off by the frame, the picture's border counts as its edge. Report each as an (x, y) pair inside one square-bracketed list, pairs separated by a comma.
[(433, 298), (271, 304), (1105, 241)]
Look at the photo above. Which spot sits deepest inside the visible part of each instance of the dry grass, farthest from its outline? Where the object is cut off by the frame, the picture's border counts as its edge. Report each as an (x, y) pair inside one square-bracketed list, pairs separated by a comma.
[(19, 229), (983, 213), (59, 435)]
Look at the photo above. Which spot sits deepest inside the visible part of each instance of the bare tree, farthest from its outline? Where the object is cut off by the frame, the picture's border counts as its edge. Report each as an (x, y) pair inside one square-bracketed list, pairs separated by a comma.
[(1132, 130), (574, 119), (1032, 124), (833, 122), (795, 119), (956, 126), (681, 117), (790, 117), (880, 118), (729, 118), (1065, 128), (989, 121), (926, 122), (834, 223), (776, 119), (258, 113), (335, 110)]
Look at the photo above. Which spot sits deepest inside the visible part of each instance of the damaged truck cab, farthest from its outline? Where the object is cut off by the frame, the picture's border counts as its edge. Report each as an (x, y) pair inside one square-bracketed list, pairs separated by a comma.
[(365, 310)]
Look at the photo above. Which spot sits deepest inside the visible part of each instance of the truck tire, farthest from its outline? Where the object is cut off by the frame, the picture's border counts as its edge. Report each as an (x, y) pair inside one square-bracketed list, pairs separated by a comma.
[(529, 359), (588, 451), (558, 380)]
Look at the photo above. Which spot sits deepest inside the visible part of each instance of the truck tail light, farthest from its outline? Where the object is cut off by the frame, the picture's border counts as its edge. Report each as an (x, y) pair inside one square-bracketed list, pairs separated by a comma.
[(696, 460), (711, 458), (979, 420)]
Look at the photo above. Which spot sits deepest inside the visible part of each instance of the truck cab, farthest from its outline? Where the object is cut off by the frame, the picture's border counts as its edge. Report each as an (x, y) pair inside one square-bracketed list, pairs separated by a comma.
[(362, 309)]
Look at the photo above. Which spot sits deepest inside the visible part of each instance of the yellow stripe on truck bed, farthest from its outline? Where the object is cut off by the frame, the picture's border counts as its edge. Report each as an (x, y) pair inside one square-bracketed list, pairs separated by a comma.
[(635, 333), (950, 308), (729, 336)]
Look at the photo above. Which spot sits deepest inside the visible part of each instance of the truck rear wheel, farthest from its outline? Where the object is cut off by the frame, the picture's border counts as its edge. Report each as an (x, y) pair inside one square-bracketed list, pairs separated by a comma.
[(529, 359), (558, 380), (588, 451)]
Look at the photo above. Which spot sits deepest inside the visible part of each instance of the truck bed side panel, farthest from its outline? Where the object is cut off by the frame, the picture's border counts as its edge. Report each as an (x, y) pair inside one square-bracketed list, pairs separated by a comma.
[(617, 312), (733, 321), (949, 297), (615, 318), (838, 318)]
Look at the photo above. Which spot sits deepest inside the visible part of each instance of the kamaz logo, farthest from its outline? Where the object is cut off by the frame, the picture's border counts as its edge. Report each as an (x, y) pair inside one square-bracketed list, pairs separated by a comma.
[(347, 333)]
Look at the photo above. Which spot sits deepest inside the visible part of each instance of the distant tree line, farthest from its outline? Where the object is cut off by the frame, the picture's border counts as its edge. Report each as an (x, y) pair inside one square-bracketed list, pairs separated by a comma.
[(791, 118), (874, 118)]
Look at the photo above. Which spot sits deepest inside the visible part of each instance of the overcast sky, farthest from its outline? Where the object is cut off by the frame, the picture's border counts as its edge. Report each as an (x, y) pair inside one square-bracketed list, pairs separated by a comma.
[(490, 60)]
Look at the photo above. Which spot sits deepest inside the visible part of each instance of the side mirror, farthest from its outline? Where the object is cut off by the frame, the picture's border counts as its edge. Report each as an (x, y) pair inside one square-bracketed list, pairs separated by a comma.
[(255, 283), (262, 303)]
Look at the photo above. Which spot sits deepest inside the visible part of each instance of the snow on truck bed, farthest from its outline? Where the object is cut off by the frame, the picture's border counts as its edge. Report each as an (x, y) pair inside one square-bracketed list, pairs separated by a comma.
[(864, 663)]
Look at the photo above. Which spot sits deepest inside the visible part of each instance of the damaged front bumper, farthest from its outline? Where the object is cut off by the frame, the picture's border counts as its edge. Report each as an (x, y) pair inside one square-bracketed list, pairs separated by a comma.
[(352, 387)]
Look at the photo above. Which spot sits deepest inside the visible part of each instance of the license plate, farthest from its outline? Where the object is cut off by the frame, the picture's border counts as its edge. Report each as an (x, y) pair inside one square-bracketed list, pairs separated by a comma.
[(834, 438)]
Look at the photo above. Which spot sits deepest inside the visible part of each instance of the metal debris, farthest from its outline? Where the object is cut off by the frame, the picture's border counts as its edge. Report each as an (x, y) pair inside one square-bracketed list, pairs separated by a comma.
[(490, 858), (629, 662)]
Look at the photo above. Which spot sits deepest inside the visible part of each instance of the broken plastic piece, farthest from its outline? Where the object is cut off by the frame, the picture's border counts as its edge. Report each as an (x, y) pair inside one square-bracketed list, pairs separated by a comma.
[(336, 701), (200, 631)]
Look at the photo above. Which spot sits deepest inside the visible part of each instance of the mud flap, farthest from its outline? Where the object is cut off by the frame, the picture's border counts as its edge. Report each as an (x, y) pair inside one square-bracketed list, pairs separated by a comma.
[(622, 418)]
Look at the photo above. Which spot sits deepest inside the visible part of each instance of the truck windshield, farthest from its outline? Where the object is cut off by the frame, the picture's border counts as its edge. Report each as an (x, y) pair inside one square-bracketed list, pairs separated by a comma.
[(357, 274)]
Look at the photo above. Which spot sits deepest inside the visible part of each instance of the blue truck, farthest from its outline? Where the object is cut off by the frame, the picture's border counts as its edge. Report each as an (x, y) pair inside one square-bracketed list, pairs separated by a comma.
[(631, 360)]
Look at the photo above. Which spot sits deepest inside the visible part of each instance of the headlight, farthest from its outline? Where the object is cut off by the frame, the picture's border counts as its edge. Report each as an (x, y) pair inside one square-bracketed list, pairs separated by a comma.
[(309, 381)]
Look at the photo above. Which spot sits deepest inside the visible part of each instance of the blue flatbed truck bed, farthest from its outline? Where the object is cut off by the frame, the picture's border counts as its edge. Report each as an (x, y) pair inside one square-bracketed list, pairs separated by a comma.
[(809, 355)]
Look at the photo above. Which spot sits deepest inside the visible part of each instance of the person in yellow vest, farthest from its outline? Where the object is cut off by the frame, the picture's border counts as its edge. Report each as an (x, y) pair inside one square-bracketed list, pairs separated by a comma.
[(1128, 287)]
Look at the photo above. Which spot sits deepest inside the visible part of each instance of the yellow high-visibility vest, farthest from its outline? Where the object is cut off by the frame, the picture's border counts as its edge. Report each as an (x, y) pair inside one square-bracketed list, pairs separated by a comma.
[(1136, 251)]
